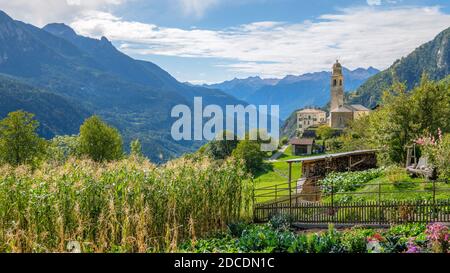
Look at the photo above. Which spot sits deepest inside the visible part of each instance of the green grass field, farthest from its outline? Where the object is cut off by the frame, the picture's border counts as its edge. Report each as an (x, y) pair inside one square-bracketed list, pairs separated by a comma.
[(399, 186), (276, 173), (394, 186)]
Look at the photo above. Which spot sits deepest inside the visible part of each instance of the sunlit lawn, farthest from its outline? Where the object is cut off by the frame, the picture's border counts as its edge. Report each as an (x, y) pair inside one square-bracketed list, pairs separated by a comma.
[(272, 177), (401, 188)]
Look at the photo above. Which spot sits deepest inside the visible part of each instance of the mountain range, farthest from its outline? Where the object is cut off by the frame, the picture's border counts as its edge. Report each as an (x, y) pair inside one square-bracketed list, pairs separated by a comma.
[(63, 77), (292, 92), (432, 58)]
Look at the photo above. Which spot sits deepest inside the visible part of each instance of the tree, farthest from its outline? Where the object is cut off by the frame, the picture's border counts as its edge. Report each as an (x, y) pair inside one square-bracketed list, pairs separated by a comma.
[(19, 142), (325, 132), (443, 158), (250, 152), (402, 118), (136, 148), (63, 147), (223, 148), (284, 141), (99, 141)]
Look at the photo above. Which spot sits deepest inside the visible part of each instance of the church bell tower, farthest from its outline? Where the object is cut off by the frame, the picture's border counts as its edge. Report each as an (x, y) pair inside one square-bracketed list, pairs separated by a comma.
[(337, 87)]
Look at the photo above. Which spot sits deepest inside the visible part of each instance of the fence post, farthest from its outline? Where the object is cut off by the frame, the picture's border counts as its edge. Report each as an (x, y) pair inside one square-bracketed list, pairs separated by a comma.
[(254, 202), (434, 192), (332, 201), (434, 200), (379, 203), (276, 193), (290, 189)]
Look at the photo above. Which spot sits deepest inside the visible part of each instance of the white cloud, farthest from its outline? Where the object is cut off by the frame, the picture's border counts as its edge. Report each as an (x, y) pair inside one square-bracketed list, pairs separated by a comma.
[(40, 12), (374, 2), (358, 36), (196, 8), (380, 2)]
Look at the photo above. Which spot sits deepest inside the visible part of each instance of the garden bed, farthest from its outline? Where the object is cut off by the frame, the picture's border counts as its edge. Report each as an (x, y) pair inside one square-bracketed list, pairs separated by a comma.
[(277, 237)]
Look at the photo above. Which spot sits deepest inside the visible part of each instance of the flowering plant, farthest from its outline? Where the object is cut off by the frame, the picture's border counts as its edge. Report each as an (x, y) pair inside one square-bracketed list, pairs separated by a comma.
[(373, 243), (430, 145), (438, 237), (437, 150), (412, 247)]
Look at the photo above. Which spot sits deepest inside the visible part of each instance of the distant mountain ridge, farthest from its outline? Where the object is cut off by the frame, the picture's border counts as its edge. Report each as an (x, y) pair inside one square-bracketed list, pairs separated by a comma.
[(242, 88), (96, 78), (292, 92), (56, 114), (432, 58)]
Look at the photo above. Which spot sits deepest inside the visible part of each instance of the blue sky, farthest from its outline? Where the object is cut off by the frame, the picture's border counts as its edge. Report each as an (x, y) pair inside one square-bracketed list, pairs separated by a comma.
[(216, 40)]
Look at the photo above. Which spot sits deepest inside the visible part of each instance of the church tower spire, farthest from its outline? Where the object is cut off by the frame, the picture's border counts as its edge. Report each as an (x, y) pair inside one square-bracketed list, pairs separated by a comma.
[(337, 86)]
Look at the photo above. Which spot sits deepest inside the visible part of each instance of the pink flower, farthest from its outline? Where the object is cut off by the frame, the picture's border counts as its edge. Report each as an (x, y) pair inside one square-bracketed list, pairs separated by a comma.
[(440, 135)]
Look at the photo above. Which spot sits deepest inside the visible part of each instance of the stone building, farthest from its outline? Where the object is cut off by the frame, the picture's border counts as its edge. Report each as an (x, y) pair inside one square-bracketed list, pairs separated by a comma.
[(310, 117), (340, 113)]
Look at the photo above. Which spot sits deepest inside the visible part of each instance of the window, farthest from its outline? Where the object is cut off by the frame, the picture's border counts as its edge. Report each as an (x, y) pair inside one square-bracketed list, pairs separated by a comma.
[(340, 82), (335, 82)]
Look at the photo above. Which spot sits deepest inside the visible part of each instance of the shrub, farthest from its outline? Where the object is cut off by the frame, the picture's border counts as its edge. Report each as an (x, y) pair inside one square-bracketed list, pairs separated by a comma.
[(407, 230), (327, 242), (280, 222), (236, 229), (299, 245), (355, 240), (265, 239), (219, 244)]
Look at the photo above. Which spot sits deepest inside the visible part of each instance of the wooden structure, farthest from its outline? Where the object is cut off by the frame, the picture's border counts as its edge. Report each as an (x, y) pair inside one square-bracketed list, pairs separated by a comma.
[(421, 168), (302, 146), (301, 202), (316, 168), (383, 213)]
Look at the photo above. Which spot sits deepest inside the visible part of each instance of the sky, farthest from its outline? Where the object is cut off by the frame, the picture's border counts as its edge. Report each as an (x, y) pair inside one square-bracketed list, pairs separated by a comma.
[(209, 41)]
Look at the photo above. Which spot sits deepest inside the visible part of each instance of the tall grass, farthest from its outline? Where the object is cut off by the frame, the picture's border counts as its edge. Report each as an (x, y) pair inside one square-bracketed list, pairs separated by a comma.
[(125, 206)]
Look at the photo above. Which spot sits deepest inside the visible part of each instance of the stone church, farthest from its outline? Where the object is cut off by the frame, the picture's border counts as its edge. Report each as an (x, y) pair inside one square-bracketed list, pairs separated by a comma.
[(340, 113)]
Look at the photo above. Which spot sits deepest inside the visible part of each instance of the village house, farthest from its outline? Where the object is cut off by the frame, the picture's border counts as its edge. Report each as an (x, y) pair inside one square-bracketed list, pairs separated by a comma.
[(310, 117)]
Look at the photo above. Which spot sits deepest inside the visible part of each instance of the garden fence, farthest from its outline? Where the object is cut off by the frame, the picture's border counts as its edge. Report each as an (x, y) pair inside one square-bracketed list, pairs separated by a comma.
[(283, 199)]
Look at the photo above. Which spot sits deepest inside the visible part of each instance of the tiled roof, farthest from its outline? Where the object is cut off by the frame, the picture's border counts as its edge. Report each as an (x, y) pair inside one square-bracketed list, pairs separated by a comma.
[(359, 107), (350, 108), (317, 111), (302, 141), (343, 109)]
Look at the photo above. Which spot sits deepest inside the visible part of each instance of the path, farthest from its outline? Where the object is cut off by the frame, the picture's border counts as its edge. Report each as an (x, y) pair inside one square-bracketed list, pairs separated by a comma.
[(278, 154)]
